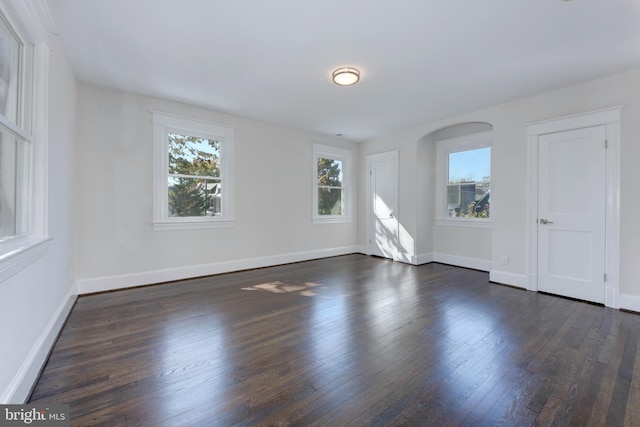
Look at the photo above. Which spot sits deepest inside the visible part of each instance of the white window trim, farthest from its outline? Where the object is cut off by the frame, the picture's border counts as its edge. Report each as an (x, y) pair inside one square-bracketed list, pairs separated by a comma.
[(336, 153), (21, 251), (163, 124), (443, 149)]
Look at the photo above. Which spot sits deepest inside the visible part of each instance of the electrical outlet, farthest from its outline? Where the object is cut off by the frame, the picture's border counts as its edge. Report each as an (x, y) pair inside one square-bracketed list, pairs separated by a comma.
[(505, 260)]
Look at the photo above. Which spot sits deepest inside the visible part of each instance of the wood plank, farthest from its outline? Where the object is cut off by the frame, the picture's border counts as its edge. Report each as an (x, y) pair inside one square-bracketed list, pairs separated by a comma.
[(632, 413)]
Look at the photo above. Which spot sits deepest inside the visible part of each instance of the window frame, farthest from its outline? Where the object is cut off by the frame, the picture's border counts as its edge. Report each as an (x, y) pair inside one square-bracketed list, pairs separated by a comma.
[(21, 250), (344, 155), (443, 149), (163, 125)]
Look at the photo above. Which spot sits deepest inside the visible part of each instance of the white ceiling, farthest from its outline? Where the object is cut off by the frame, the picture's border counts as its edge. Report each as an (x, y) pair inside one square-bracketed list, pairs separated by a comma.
[(420, 60)]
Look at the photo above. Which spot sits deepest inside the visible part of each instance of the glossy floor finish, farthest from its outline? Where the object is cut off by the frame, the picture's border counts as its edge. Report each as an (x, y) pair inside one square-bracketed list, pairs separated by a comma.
[(351, 340)]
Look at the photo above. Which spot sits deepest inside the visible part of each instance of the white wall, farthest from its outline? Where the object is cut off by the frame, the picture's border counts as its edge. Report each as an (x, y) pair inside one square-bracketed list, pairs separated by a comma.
[(116, 246), (35, 301), (509, 176)]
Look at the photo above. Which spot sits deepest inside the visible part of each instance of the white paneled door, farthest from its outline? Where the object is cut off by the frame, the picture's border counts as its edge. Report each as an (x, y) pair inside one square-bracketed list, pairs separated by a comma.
[(383, 204), (571, 213)]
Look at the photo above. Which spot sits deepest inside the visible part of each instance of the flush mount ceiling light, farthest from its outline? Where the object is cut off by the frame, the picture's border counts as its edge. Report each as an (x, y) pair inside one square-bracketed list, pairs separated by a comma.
[(346, 76)]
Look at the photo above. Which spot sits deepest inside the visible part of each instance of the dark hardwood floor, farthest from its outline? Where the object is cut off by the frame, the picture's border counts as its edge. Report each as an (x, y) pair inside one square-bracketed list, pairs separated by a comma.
[(345, 341)]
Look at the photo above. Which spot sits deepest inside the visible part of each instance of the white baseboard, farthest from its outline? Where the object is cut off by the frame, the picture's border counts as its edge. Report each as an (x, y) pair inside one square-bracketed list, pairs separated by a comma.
[(511, 279), (458, 261), (422, 259), (362, 249), (23, 381), (121, 281), (629, 302), (404, 257)]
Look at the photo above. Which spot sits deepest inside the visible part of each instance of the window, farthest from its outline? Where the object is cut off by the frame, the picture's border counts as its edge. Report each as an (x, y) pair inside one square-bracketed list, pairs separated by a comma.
[(464, 178), (193, 179), (14, 139), (23, 126), (331, 168)]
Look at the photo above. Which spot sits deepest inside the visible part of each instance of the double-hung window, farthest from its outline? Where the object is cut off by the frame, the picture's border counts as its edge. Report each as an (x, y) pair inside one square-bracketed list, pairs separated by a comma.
[(331, 184), (15, 140), (193, 179), (464, 179), (23, 126)]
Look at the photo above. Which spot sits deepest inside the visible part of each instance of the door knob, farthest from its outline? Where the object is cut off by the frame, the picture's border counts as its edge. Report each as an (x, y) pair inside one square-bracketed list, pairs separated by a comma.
[(545, 221)]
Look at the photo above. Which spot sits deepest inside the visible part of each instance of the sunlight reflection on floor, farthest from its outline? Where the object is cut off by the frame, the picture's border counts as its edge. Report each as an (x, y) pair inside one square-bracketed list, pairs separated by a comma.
[(279, 287)]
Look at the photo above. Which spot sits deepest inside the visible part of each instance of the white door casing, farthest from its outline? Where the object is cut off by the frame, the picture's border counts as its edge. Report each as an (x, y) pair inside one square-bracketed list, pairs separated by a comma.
[(382, 205), (571, 213), (610, 119)]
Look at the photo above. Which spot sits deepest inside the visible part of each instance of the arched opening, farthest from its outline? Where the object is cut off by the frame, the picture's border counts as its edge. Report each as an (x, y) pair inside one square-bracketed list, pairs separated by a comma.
[(458, 130)]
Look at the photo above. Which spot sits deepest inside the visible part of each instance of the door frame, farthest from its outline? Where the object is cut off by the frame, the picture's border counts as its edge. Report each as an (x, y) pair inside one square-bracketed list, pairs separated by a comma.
[(371, 159), (610, 118)]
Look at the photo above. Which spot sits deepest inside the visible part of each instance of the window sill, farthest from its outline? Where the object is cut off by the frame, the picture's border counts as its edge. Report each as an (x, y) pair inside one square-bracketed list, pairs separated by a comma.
[(20, 258), (192, 224), (331, 220), (464, 222)]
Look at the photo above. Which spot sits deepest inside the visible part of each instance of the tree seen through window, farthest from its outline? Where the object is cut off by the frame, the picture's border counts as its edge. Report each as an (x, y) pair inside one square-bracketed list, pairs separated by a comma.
[(195, 187), (330, 186)]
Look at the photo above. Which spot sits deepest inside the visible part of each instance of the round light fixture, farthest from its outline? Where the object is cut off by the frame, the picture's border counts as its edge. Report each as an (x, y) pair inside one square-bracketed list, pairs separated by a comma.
[(346, 76)]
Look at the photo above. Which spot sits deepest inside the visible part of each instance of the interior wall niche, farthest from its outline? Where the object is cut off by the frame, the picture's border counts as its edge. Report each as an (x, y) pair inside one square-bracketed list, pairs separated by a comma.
[(427, 247)]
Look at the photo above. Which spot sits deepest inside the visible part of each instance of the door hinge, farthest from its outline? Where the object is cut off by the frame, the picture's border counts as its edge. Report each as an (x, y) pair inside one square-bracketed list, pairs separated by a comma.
[(369, 241), (606, 143), (370, 173), (605, 277)]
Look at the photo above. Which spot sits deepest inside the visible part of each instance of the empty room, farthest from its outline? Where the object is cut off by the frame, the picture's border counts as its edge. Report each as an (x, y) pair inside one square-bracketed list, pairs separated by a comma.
[(319, 213)]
